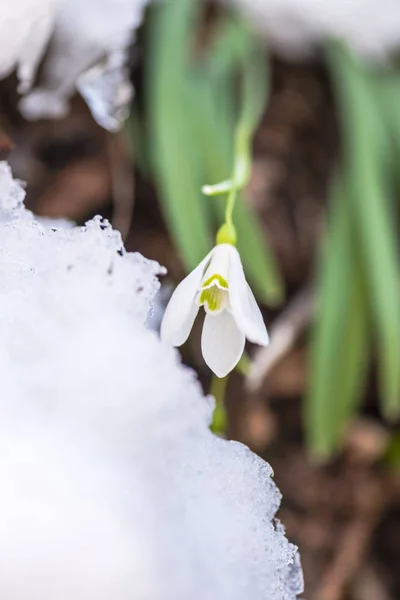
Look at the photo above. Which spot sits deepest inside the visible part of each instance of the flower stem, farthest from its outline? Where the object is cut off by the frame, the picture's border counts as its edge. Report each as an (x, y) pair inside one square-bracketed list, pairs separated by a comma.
[(253, 102), (218, 390), (241, 167), (230, 205)]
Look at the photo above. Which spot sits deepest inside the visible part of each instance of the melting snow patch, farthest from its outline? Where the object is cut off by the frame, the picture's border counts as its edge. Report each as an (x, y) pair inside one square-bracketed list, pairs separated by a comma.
[(112, 486)]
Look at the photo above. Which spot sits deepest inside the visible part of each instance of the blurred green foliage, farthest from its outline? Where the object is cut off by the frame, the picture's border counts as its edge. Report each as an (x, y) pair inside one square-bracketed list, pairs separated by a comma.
[(359, 295), (339, 346), (392, 454), (193, 110), (196, 93)]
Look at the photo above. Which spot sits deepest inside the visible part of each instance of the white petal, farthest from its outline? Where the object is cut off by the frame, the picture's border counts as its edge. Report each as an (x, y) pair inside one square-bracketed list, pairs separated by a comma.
[(182, 308), (243, 304), (219, 264), (222, 343)]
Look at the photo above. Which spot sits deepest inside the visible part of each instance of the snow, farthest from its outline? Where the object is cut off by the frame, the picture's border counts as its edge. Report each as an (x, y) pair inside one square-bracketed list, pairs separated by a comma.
[(295, 27), (112, 486), (87, 45), (25, 27), (88, 52)]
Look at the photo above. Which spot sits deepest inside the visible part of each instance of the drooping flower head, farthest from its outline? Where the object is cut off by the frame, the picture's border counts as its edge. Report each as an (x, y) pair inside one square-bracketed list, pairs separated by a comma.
[(219, 285)]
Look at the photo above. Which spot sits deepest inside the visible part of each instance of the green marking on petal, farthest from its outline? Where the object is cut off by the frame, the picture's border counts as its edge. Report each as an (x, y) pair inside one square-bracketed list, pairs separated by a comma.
[(222, 282), (213, 297)]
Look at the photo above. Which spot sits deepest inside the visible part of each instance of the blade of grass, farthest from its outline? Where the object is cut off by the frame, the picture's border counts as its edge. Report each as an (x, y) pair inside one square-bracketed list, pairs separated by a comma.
[(368, 195), (176, 160), (387, 88), (231, 41), (339, 346)]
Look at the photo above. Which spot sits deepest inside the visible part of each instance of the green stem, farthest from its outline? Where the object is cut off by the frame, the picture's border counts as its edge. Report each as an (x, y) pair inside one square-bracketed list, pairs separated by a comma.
[(251, 111), (218, 390), (230, 205), (241, 168)]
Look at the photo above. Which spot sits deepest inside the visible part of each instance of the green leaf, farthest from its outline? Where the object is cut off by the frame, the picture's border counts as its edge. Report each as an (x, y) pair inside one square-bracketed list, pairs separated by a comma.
[(231, 42), (176, 159), (339, 346), (370, 200), (387, 88), (392, 454)]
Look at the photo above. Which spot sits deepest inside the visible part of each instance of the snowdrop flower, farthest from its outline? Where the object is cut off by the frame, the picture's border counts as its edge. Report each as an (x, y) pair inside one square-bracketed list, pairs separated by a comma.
[(218, 283)]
